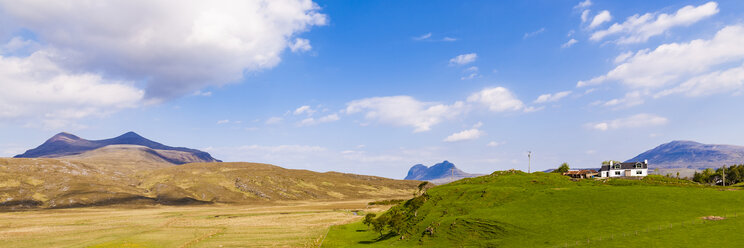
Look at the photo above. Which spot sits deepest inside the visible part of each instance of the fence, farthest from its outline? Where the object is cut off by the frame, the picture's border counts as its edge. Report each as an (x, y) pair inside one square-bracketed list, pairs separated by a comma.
[(607, 237)]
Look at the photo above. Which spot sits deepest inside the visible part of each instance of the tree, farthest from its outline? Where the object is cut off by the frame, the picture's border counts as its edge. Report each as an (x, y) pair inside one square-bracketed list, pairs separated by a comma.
[(369, 219), (607, 162), (379, 224), (563, 168)]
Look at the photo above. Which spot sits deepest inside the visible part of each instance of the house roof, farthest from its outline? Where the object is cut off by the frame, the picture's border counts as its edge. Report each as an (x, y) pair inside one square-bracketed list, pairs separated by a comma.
[(580, 172), (625, 166)]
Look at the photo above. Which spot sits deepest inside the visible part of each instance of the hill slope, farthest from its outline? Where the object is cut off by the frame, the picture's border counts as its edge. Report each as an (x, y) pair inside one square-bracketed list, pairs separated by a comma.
[(60, 183), (690, 154), (516, 209), (66, 144), (440, 173)]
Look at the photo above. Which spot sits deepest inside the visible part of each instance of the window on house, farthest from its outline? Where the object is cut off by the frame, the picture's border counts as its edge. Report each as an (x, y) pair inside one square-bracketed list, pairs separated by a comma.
[(617, 173), (638, 165), (639, 172)]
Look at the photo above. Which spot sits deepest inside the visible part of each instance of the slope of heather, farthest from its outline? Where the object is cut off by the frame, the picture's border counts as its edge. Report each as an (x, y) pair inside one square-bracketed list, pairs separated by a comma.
[(61, 183)]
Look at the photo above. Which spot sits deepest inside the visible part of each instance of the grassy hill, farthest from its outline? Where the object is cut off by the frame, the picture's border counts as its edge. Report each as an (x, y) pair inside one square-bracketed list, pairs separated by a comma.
[(515, 209), (94, 181)]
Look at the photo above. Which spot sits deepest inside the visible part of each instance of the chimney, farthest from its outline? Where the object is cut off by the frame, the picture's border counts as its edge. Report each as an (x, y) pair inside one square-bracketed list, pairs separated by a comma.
[(645, 161), (611, 162)]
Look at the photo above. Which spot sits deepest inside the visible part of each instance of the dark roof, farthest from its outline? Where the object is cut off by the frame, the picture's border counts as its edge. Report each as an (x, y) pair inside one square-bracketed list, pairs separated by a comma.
[(580, 172), (624, 166)]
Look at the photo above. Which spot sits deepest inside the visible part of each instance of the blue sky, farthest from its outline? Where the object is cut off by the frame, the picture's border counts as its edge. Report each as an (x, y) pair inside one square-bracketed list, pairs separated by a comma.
[(373, 87)]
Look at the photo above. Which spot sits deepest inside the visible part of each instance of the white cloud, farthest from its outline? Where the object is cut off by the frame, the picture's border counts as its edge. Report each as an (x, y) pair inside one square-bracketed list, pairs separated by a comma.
[(312, 121), (305, 109), (722, 81), (472, 73), (449, 39), (175, 48), (670, 63), (423, 37), (17, 44), (635, 121), (202, 93), (585, 15), (405, 111), (632, 98), (583, 4), (35, 88), (600, 18), (533, 109), (463, 59), (223, 122), (494, 144), (470, 76), (300, 45), (469, 134), (639, 28), (498, 99), (623, 57), (531, 34), (274, 120), (569, 43), (552, 97)]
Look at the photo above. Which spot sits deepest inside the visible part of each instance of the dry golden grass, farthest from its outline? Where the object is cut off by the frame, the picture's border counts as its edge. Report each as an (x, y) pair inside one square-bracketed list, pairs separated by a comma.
[(62, 183), (281, 224)]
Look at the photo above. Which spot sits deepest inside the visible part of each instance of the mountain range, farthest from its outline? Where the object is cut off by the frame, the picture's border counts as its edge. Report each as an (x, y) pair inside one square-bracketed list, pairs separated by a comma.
[(126, 146), (691, 155), (440, 173), (68, 171)]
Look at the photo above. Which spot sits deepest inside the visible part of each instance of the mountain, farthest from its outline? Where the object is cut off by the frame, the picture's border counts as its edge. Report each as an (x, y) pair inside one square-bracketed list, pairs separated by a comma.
[(65, 145), (440, 173), (693, 155)]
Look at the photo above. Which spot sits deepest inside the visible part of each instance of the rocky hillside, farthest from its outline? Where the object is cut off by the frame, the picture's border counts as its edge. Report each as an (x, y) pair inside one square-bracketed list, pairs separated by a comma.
[(66, 145), (693, 155)]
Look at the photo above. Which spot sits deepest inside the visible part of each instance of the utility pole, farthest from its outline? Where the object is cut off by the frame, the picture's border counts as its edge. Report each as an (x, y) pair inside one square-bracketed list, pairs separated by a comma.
[(529, 161), (724, 175)]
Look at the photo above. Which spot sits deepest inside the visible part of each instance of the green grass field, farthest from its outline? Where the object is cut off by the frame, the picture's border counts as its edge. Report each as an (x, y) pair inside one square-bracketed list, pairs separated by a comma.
[(515, 209)]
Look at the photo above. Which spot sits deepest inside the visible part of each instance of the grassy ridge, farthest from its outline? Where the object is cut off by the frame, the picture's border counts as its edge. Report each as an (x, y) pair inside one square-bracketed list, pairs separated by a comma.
[(515, 209)]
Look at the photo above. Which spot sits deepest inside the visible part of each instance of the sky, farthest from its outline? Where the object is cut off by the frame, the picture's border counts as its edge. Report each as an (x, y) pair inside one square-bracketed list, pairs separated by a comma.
[(374, 87)]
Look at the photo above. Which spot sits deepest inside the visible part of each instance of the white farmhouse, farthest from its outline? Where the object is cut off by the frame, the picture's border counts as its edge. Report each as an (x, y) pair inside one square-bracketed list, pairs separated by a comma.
[(629, 169)]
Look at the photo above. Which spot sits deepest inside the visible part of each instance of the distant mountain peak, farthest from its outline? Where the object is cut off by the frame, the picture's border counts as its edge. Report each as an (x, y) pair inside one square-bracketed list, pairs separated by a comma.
[(67, 144), (64, 136), (131, 134), (691, 154), (439, 173)]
